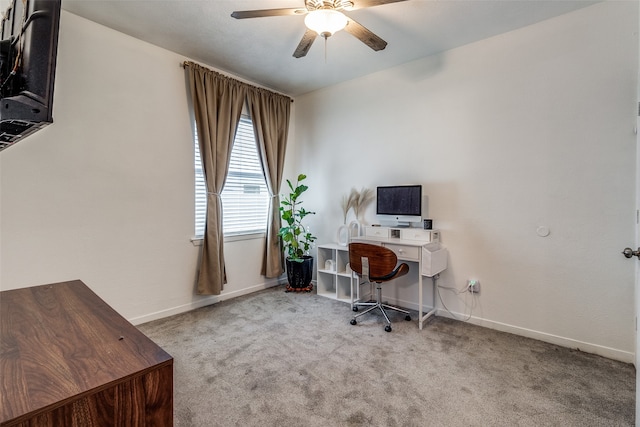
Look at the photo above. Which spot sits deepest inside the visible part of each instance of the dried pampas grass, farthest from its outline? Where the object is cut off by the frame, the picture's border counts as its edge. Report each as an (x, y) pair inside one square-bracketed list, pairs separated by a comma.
[(365, 196), (356, 200)]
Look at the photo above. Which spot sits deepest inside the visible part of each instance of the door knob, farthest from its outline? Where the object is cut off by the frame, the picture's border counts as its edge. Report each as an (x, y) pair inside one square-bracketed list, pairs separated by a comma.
[(628, 253)]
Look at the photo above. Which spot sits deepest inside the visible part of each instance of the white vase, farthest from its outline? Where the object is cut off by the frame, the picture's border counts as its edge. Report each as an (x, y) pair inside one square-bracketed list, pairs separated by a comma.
[(343, 235), (328, 265), (354, 228)]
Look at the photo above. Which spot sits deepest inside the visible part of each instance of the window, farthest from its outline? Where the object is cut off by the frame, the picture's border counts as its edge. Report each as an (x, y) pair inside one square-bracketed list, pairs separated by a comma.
[(245, 198)]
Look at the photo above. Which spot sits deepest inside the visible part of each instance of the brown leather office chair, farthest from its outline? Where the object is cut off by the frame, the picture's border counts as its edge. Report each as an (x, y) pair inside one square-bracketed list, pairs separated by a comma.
[(376, 264)]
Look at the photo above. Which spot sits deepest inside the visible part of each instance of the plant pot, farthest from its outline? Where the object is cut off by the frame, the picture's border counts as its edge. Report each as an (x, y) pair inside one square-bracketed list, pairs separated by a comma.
[(299, 275)]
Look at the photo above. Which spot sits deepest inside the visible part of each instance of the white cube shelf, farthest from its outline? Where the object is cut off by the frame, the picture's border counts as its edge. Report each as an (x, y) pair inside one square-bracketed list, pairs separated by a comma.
[(333, 280)]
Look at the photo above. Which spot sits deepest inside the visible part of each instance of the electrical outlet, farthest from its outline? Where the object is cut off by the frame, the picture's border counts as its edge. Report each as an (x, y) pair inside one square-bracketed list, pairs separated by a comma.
[(473, 286)]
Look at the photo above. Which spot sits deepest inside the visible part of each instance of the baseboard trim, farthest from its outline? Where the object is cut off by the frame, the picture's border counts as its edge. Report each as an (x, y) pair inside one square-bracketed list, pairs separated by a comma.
[(202, 302), (608, 352)]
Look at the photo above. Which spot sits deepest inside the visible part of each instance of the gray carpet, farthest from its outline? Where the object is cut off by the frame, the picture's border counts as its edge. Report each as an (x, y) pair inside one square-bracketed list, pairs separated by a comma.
[(283, 359)]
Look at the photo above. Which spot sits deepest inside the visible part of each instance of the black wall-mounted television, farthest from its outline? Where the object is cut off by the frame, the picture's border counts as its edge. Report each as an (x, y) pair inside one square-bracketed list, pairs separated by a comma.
[(28, 51), (399, 204)]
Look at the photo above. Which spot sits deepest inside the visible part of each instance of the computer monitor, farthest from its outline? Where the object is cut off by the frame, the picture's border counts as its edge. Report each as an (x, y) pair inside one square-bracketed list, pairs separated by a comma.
[(399, 205)]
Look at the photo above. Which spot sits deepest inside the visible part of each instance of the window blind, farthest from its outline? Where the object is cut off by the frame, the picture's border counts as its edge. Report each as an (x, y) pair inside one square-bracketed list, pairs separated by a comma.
[(245, 198), (201, 191)]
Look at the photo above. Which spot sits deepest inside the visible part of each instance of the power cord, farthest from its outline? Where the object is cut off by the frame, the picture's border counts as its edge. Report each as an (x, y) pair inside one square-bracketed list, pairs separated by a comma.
[(465, 290)]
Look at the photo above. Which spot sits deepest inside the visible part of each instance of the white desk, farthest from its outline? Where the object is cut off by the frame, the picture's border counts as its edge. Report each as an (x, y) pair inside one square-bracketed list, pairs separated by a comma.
[(411, 250)]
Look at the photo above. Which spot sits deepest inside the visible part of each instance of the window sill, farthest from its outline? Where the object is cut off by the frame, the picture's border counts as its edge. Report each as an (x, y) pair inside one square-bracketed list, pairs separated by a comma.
[(197, 241)]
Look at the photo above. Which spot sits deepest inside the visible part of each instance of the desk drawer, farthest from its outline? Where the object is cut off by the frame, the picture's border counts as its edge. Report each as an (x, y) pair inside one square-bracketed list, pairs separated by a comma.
[(379, 232), (417, 234), (407, 253)]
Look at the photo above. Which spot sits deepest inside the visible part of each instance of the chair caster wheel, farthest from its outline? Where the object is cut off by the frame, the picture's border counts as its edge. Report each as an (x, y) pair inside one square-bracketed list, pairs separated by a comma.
[(387, 328), (407, 318), (353, 321), (355, 309)]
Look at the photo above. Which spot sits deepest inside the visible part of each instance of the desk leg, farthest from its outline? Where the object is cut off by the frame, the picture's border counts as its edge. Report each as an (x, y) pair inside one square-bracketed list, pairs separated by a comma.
[(431, 312), (420, 297), (354, 291)]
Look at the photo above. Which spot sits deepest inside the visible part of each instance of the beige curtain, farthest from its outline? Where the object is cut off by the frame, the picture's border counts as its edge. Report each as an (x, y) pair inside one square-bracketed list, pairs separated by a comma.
[(217, 105), (270, 115)]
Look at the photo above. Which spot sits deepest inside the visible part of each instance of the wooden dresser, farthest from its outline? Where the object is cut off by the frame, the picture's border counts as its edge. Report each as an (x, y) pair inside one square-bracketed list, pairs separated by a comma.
[(68, 359)]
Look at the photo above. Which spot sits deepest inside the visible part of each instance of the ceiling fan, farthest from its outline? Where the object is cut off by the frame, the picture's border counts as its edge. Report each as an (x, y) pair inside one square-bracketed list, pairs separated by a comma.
[(323, 18)]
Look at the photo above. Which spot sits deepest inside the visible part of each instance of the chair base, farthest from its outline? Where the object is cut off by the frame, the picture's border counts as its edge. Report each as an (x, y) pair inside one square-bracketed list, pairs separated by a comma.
[(380, 306)]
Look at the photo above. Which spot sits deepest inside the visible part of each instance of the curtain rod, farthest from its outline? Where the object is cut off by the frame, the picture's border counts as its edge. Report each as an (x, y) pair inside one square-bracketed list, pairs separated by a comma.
[(184, 64)]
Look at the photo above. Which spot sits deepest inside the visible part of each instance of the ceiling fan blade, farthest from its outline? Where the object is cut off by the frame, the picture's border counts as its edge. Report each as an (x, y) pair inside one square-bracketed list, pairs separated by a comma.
[(305, 44), (242, 14), (361, 4), (364, 35)]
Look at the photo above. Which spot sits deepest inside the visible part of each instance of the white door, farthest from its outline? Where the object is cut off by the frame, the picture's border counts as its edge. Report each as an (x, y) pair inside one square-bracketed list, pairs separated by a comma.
[(637, 283), (631, 253), (637, 287)]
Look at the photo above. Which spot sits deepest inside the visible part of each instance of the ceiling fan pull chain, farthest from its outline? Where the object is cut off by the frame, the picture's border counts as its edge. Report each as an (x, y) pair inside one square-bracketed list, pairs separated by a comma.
[(325, 50)]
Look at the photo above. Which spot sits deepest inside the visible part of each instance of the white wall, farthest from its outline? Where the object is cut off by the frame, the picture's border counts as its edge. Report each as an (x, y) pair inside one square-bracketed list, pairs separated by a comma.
[(530, 128), (106, 193)]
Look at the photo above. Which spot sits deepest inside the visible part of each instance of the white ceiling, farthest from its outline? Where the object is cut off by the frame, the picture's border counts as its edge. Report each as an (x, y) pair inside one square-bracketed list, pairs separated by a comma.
[(261, 49)]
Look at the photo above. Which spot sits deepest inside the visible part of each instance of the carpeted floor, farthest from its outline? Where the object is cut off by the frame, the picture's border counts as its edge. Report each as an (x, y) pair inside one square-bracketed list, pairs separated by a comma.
[(284, 359)]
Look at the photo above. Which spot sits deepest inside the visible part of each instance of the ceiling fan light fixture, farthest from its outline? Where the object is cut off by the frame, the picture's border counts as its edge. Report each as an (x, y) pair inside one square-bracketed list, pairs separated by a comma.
[(325, 22)]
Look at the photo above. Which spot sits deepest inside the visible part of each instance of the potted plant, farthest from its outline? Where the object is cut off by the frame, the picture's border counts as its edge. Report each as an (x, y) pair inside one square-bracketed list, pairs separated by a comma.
[(296, 239)]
